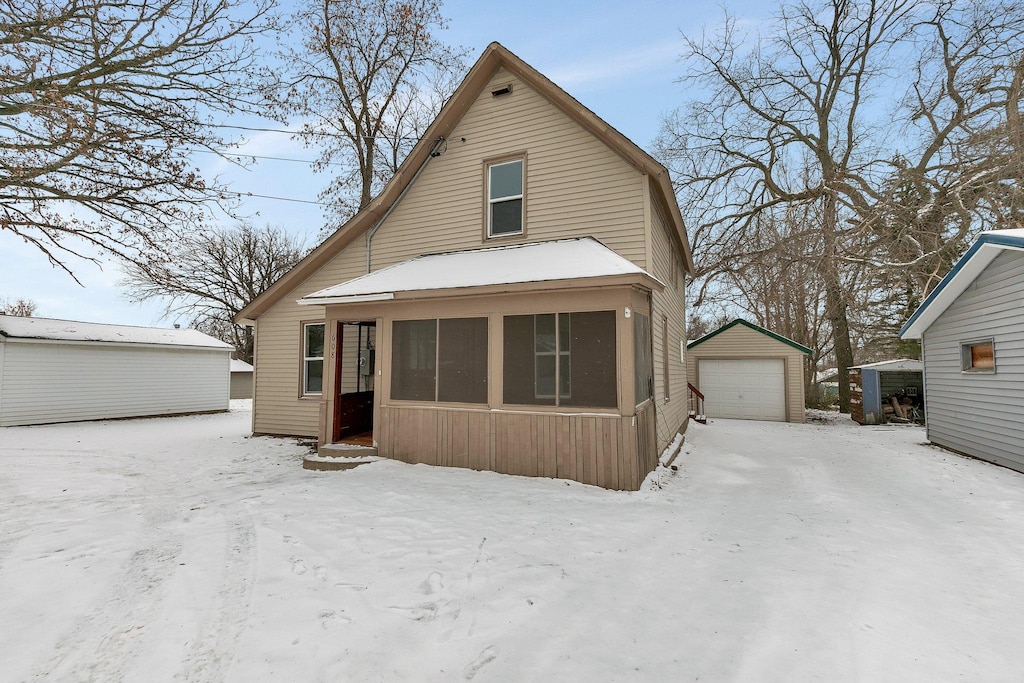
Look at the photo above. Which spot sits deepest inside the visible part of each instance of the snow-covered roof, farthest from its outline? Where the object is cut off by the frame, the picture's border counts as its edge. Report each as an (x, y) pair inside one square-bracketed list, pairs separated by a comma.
[(16, 327), (240, 366), (559, 260), (907, 364), (965, 271)]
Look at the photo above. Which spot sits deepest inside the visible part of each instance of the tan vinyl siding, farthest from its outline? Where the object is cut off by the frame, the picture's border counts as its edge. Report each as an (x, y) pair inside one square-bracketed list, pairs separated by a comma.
[(979, 413), (46, 382), (575, 185), (741, 342), (671, 303), (277, 408)]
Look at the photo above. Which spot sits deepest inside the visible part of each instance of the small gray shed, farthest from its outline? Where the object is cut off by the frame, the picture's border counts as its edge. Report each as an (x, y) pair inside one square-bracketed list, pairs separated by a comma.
[(66, 371), (971, 329), (241, 379)]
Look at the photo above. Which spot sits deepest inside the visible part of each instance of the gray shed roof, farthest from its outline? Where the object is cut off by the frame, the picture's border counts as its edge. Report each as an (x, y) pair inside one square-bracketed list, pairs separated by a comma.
[(16, 327), (965, 271)]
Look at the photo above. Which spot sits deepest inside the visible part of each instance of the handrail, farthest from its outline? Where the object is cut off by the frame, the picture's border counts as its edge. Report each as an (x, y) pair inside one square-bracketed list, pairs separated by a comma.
[(695, 390), (695, 404)]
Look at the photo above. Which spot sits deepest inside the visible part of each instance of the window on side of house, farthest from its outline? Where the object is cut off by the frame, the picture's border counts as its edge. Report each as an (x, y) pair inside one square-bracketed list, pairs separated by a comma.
[(439, 360), (978, 356), (643, 362), (666, 371), (312, 358), (560, 359), (505, 198)]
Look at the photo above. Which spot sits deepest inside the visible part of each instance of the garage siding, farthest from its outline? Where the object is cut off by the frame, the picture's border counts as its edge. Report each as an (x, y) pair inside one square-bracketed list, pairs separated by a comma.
[(47, 382), (741, 342)]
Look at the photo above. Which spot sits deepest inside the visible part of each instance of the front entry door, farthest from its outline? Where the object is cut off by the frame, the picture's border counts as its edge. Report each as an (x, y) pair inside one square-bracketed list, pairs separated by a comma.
[(354, 381)]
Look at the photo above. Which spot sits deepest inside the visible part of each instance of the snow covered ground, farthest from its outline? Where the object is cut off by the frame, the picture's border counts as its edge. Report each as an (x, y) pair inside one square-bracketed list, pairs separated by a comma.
[(181, 549)]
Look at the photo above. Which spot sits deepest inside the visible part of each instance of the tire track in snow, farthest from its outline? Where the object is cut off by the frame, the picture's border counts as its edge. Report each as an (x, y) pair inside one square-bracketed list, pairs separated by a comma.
[(213, 651)]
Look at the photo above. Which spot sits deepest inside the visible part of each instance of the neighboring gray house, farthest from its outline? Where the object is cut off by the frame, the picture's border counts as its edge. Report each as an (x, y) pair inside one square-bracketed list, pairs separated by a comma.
[(66, 371), (241, 379), (971, 329)]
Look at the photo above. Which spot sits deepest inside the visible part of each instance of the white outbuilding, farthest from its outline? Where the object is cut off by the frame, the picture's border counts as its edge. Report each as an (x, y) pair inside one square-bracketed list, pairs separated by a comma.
[(67, 371)]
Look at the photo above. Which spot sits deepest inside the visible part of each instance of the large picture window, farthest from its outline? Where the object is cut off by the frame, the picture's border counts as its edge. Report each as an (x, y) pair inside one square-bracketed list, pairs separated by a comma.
[(312, 358), (439, 360), (560, 359), (505, 198)]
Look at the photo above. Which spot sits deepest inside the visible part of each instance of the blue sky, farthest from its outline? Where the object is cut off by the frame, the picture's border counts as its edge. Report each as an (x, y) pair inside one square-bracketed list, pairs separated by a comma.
[(619, 59)]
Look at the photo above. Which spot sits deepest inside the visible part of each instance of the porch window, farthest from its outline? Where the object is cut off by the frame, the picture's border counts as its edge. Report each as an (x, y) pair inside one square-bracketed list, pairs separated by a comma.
[(979, 356), (560, 359), (643, 362), (505, 198), (312, 358), (439, 360)]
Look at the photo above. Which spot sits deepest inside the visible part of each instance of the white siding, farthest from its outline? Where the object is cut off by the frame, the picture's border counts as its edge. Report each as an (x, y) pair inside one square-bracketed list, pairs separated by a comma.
[(976, 413), (43, 382)]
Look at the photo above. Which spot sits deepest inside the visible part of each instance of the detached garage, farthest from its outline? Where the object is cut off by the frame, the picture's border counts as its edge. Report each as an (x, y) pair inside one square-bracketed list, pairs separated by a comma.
[(748, 373), (66, 371)]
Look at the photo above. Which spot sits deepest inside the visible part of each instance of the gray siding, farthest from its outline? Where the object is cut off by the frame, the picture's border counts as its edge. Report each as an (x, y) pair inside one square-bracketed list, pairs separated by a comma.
[(975, 413), (44, 382)]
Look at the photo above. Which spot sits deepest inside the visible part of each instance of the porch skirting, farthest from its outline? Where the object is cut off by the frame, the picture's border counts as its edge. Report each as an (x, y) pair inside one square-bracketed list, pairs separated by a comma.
[(611, 451)]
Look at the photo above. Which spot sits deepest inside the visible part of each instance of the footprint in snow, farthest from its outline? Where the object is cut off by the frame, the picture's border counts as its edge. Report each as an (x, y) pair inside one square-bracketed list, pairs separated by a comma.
[(431, 584), (489, 654), (320, 571), (298, 567)]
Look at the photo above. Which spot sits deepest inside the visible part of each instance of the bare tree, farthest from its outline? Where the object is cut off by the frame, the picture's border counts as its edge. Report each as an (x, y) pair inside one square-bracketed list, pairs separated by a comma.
[(101, 102), (798, 121), (369, 77), (22, 307), (211, 276)]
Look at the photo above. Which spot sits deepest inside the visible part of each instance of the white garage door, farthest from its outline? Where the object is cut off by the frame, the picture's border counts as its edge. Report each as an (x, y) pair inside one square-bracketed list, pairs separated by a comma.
[(752, 389)]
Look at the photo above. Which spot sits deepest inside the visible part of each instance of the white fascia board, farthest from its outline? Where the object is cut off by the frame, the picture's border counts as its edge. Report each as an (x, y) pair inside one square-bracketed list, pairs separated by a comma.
[(328, 300)]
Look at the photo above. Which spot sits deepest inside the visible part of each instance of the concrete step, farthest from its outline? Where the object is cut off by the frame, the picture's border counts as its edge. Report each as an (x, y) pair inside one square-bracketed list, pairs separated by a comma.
[(339, 456)]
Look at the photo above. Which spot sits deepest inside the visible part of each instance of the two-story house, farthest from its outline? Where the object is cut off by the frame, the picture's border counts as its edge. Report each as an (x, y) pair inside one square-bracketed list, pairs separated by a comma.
[(513, 300)]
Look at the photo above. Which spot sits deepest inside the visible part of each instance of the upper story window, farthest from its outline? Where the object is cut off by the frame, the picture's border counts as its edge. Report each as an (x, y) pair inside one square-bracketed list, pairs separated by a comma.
[(505, 198), (312, 358), (979, 356)]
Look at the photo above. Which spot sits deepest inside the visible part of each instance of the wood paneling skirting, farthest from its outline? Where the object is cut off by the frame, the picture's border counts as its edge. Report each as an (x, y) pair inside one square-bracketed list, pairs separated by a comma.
[(610, 451)]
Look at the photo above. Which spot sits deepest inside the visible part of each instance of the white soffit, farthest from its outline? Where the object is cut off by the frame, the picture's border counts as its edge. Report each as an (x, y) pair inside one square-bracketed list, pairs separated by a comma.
[(569, 259)]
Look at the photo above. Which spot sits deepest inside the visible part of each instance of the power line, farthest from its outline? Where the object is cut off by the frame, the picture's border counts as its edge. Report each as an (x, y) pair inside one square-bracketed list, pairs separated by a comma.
[(268, 196)]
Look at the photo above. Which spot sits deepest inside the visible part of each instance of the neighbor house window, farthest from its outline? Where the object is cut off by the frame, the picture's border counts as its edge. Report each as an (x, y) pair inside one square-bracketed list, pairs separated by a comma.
[(560, 359), (439, 360), (643, 361), (664, 357), (312, 358), (505, 198), (978, 356)]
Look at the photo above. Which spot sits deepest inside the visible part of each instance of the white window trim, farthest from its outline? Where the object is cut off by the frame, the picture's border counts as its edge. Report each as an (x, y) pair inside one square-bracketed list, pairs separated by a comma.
[(306, 359), (497, 200), (965, 357), (561, 355)]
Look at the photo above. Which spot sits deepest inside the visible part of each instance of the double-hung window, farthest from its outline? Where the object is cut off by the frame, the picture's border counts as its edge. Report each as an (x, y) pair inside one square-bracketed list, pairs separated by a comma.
[(312, 358), (505, 198)]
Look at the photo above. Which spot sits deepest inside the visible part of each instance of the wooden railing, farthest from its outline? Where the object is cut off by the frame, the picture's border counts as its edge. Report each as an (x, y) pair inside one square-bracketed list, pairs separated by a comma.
[(695, 404)]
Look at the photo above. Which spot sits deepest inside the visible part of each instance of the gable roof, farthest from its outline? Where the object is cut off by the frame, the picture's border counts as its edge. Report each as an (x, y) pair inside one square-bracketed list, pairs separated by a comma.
[(494, 57), (52, 329), (545, 263), (985, 249), (756, 328)]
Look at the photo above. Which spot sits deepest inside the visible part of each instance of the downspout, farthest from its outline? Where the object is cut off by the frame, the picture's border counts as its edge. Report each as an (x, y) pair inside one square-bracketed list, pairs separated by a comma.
[(376, 226)]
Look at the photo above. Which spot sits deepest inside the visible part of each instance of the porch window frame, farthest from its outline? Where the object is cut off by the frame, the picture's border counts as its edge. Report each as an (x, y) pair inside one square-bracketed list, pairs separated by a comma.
[(436, 400)]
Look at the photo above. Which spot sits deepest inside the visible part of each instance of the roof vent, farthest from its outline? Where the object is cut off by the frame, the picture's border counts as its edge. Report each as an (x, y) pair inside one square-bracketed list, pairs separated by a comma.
[(504, 90)]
